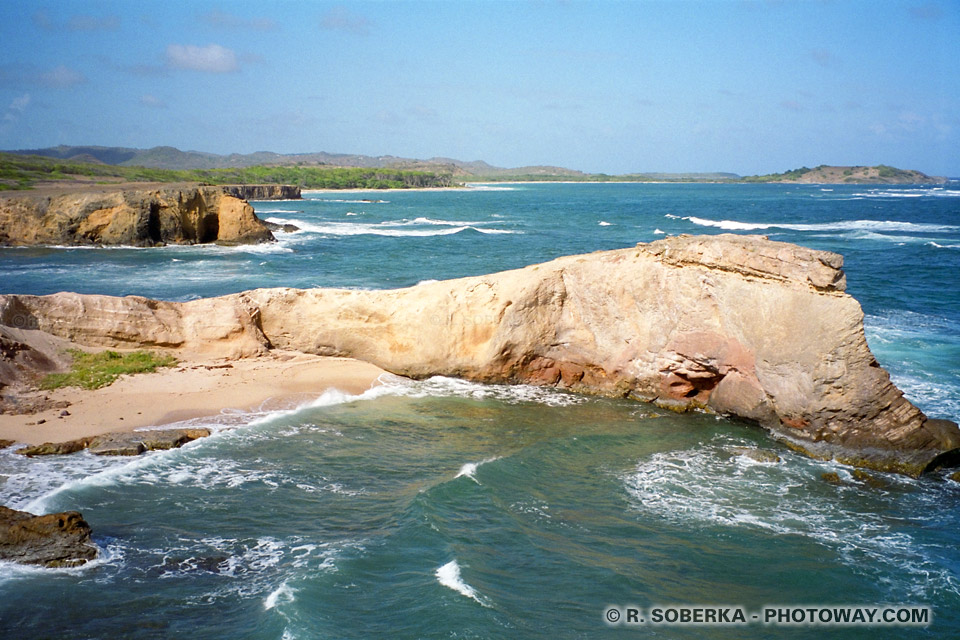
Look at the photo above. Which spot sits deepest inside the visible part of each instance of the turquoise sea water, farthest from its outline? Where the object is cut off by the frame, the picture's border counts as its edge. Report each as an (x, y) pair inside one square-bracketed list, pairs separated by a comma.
[(445, 509)]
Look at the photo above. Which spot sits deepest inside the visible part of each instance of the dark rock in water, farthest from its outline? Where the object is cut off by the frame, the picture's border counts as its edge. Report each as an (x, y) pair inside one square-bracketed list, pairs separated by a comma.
[(832, 477), (868, 479), (55, 448), (758, 455), (53, 540), (286, 227), (955, 476), (119, 444), (136, 442), (5, 443), (116, 444)]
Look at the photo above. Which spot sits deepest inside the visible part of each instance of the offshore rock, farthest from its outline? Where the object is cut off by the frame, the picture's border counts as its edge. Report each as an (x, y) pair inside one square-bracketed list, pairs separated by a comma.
[(182, 214), (737, 325), (54, 540)]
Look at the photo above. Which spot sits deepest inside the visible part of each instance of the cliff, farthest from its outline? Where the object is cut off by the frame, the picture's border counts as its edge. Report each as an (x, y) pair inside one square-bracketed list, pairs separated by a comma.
[(182, 214), (262, 191), (739, 325)]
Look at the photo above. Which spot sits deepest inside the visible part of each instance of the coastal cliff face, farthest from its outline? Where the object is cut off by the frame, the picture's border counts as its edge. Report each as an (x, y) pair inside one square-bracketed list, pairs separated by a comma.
[(739, 325), (183, 214), (262, 191)]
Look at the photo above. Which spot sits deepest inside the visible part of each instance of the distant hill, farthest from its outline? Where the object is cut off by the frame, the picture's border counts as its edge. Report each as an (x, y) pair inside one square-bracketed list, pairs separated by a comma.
[(825, 174), (173, 159), (176, 160)]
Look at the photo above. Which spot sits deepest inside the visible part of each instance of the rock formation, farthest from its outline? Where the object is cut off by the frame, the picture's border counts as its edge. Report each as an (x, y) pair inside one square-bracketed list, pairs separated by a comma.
[(262, 191), (121, 443), (53, 540), (739, 325), (183, 214)]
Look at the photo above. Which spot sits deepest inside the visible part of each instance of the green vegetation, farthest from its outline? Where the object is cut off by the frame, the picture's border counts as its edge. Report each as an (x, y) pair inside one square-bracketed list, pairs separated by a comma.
[(885, 171), (22, 172), (603, 177), (95, 370), (793, 174)]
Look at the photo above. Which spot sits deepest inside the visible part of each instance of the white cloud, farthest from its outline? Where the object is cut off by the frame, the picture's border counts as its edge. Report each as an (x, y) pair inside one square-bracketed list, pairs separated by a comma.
[(76, 23), (61, 77), (93, 23), (150, 100), (339, 19), (224, 20), (212, 58), (16, 108), (822, 57)]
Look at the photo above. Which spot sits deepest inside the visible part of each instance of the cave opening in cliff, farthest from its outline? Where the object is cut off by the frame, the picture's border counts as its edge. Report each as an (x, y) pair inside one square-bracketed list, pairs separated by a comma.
[(209, 229), (153, 223)]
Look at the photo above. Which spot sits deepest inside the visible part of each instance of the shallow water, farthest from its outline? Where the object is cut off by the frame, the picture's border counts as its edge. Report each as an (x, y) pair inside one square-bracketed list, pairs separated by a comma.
[(448, 509)]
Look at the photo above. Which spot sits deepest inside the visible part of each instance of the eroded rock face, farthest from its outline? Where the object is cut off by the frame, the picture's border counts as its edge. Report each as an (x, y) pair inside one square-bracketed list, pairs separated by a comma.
[(125, 216), (54, 540), (735, 324), (263, 191)]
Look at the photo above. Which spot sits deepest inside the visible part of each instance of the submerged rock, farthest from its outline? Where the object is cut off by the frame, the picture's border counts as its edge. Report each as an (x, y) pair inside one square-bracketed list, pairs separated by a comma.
[(54, 540), (832, 477), (758, 455), (736, 325), (55, 448)]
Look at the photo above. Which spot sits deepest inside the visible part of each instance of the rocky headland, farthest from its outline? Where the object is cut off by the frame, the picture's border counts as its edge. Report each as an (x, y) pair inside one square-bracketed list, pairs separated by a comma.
[(262, 191), (136, 215), (737, 325)]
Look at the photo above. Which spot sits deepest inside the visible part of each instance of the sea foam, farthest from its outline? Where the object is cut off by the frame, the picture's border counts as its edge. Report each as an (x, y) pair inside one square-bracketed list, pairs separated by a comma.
[(449, 576), (469, 470), (842, 225), (711, 486)]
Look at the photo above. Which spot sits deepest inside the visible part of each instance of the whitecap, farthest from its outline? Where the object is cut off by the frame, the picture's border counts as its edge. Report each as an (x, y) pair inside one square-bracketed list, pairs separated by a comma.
[(444, 387), (842, 225), (604, 223), (281, 595), (659, 232), (390, 229), (469, 470), (707, 486), (449, 576)]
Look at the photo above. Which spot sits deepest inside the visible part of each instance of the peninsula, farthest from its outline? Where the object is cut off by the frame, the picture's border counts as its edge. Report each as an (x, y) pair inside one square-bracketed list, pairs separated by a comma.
[(737, 325)]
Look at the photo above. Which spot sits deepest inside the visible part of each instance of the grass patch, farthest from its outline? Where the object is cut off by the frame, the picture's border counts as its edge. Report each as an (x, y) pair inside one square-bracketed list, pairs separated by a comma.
[(95, 370)]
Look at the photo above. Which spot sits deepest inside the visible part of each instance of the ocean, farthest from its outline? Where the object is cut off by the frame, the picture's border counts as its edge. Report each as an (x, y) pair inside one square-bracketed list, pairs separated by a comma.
[(447, 509)]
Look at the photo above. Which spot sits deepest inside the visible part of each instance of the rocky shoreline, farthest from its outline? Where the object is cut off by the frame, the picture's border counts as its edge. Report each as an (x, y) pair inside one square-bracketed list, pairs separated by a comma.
[(738, 325), (735, 325), (142, 216)]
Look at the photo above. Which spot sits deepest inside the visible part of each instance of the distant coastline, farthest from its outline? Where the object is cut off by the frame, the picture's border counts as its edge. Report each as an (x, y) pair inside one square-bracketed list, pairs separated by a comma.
[(27, 169)]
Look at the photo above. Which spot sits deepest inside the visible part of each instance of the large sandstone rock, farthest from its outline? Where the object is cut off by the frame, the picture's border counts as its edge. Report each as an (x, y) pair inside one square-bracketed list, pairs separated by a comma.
[(739, 325), (128, 216), (54, 540)]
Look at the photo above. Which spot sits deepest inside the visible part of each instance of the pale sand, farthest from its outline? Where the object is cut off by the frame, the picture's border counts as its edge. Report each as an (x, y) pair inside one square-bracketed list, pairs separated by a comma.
[(194, 388)]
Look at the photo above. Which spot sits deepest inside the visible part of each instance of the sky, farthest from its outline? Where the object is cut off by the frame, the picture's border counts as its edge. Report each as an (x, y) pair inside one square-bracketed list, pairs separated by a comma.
[(745, 86)]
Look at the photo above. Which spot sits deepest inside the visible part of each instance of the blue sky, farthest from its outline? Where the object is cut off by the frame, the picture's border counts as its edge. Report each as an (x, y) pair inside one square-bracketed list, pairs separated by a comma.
[(749, 86)]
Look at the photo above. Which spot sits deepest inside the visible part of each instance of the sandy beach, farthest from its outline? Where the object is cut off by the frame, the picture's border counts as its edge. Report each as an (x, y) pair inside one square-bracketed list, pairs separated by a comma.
[(194, 388)]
